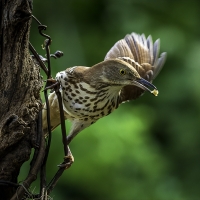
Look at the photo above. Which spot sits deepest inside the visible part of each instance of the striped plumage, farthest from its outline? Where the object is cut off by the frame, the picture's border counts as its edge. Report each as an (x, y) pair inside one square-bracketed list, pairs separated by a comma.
[(90, 93)]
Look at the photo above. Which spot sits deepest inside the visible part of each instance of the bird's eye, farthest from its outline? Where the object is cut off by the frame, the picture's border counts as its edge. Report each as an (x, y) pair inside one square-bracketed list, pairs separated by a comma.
[(122, 71)]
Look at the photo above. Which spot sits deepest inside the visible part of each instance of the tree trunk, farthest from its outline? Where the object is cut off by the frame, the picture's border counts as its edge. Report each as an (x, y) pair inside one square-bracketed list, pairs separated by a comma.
[(20, 85)]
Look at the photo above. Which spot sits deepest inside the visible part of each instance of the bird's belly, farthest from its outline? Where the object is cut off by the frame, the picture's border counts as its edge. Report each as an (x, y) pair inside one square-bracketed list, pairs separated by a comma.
[(88, 111), (86, 103)]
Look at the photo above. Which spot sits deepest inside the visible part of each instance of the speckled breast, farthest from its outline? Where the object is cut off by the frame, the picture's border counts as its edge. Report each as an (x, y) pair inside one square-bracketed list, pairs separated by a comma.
[(81, 101)]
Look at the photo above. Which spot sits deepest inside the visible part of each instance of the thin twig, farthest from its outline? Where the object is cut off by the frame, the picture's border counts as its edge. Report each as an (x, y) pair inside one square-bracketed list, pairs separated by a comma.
[(67, 151), (62, 120), (36, 20), (43, 167), (41, 63), (55, 179)]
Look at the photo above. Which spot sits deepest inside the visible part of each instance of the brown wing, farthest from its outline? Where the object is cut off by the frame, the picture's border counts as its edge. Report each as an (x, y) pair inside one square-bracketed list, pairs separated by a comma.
[(143, 55)]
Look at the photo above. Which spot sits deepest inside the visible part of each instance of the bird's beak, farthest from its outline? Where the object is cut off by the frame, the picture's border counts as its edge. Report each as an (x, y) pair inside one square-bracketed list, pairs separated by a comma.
[(146, 85)]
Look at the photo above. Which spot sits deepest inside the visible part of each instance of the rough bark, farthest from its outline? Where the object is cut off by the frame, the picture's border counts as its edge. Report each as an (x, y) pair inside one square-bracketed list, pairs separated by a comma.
[(20, 85)]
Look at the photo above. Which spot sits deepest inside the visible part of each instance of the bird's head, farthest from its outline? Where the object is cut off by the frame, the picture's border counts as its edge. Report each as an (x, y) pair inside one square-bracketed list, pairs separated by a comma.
[(117, 72)]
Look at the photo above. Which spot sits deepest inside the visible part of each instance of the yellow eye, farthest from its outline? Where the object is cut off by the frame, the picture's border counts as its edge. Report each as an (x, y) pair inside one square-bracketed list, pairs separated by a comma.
[(122, 71)]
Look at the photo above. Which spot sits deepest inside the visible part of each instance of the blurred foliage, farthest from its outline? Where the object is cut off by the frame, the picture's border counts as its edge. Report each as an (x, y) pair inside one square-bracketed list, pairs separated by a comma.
[(148, 149)]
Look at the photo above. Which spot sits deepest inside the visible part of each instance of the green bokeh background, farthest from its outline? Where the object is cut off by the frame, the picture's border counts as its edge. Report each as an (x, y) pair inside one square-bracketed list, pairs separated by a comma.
[(148, 149)]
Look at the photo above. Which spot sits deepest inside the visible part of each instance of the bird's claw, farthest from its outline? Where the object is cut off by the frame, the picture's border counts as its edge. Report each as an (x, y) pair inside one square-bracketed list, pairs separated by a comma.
[(68, 161), (52, 83)]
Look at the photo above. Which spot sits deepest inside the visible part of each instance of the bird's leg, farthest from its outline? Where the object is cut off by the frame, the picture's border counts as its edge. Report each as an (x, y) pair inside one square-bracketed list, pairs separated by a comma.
[(68, 158), (77, 126)]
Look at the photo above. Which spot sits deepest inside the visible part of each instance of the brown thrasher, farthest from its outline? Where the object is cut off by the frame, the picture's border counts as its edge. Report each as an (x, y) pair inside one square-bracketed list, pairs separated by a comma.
[(90, 93)]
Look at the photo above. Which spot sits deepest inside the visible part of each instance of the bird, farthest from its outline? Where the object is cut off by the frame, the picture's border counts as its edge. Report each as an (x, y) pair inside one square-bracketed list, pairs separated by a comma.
[(90, 93)]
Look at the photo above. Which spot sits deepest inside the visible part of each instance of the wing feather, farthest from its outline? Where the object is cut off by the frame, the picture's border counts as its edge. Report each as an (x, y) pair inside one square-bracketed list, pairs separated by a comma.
[(143, 55)]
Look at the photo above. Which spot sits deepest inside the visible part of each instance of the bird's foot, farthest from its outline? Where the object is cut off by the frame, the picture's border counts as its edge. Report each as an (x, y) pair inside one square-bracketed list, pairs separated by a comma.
[(51, 84), (68, 161)]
